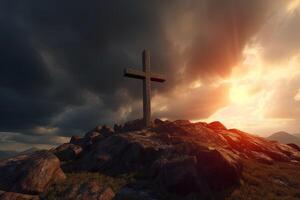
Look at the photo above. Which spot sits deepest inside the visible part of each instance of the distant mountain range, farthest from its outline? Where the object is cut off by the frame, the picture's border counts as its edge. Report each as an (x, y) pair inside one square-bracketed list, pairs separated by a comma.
[(285, 137), (297, 135), (7, 154)]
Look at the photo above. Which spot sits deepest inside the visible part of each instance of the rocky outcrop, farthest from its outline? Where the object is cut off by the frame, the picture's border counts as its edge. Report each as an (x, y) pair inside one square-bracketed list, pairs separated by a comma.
[(294, 146), (31, 173), (129, 126), (178, 157), (179, 175), (91, 137), (68, 151), (123, 152)]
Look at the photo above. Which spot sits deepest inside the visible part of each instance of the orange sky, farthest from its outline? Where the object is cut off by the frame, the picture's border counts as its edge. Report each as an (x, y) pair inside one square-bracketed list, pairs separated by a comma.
[(261, 93)]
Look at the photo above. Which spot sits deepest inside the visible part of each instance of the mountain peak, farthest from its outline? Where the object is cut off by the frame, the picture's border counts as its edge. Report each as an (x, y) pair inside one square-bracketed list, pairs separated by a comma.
[(284, 137), (178, 158)]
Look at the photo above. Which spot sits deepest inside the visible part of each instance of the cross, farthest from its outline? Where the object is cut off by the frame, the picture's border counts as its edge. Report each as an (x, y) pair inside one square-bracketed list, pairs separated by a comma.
[(147, 76)]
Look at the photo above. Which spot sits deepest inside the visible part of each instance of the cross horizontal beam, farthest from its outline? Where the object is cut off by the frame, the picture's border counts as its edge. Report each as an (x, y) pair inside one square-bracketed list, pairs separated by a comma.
[(133, 73)]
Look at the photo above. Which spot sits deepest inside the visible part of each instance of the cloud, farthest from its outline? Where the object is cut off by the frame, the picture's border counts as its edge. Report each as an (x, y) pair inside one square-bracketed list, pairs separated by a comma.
[(284, 104), (19, 142), (62, 62), (280, 36)]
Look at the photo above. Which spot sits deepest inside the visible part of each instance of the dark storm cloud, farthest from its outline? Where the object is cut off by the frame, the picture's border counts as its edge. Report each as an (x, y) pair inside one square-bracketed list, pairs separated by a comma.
[(62, 61)]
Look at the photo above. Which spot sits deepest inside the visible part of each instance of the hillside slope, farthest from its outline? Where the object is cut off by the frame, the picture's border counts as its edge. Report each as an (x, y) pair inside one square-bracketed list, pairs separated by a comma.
[(171, 160)]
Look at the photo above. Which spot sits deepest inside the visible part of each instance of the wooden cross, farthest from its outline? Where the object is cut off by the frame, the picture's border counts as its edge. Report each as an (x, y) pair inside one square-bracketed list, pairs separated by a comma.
[(147, 76)]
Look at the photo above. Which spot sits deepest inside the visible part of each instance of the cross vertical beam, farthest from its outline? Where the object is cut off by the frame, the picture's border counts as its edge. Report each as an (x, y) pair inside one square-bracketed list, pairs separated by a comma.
[(147, 88), (147, 76)]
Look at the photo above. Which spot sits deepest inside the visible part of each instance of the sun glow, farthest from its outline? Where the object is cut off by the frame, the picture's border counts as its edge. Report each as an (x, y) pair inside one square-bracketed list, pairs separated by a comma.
[(293, 5), (238, 95), (253, 87)]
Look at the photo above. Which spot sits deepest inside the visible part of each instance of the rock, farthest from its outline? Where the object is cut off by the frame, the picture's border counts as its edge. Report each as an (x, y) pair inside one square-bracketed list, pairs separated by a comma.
[(179, 175), (91, 135), (158, 122), (197, 169), (97, 134), (76, 140), (30, 174), (135, 194), (134, 125), (17, 196), (262, 158), (294, 146), (181, 157), (219, 168), (122, 152), (85, 142), (217, 126), (118, 128), (67, 151), (106, 131), (246, 143), (97, 128), (182, 122)]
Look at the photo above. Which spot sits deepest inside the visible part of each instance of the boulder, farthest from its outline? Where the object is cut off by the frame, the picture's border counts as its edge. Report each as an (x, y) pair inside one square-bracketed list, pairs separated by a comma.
[(193, 169), (92, 137), (30, 174), (294, 146), (217, 126), (220, 169), (178, 175), (17, 196), (67, 151), (121, 152)]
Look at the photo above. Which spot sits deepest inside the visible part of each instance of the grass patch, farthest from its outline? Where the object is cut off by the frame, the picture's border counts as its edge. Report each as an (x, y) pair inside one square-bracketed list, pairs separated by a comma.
[(280, 181)]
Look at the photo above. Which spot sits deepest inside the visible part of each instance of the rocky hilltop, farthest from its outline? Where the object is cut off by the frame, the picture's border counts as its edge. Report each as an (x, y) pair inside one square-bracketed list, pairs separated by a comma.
[(171, 160)]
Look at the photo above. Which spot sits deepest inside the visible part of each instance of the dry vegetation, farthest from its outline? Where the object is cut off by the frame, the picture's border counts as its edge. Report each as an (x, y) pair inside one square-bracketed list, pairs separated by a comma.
[(280, 181), (55, 192)]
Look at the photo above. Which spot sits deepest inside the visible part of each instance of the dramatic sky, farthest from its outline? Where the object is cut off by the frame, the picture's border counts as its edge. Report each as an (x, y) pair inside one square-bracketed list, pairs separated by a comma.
[(61, 65)]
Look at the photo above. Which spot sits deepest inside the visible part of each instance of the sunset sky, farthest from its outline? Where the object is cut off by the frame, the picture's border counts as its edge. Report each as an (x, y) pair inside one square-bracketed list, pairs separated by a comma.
[(62, 64)]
